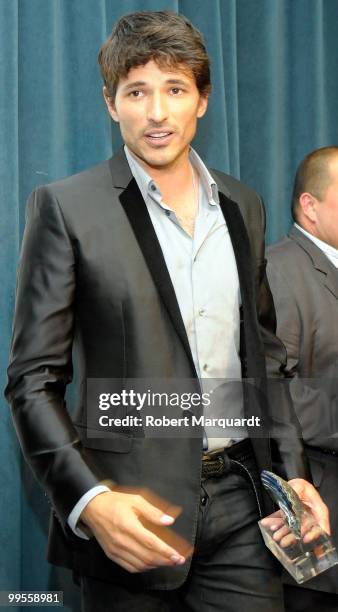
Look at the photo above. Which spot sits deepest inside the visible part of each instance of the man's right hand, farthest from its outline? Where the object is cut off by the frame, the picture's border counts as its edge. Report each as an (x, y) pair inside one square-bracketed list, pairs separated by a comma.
[(117, 521)]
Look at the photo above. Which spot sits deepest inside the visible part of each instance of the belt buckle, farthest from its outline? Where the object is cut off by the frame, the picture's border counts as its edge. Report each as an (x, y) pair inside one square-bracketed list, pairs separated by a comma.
[(219, 470), (213, 468), (211, 456)]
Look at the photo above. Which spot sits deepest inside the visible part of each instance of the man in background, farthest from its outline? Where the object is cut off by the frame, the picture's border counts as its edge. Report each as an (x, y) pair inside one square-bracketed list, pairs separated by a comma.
[(303, 276)]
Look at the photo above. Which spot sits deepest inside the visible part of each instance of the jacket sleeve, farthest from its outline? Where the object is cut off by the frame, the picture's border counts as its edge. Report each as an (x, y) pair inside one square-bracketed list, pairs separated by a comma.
[(41, 356)]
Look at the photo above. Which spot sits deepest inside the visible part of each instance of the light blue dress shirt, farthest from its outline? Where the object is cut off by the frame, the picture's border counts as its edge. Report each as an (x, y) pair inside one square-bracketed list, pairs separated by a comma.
[(204, 275)]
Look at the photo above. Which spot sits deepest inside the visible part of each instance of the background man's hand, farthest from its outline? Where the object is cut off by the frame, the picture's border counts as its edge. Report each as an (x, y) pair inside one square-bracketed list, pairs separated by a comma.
[(277, 523), (132, 531), (310, 496)]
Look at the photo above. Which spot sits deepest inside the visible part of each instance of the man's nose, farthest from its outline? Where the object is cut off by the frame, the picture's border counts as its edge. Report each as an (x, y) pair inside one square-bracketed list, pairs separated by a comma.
[(157, 108)]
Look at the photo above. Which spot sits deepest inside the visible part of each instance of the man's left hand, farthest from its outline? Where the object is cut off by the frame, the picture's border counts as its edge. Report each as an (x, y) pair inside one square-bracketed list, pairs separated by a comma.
[(310, 496), (277, 523)]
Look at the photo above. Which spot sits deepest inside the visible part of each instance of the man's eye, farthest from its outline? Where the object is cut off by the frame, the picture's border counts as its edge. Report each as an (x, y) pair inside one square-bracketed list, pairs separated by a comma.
[(176, 90), (136, 93)]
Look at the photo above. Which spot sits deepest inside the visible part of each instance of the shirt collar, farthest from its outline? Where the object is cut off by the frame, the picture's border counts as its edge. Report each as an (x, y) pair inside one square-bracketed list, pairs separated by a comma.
[(148, 186), (329, 250), (208, 182)]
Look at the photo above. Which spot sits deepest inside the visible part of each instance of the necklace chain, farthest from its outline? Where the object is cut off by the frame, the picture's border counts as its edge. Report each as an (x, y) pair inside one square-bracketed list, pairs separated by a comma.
[(194, 186)]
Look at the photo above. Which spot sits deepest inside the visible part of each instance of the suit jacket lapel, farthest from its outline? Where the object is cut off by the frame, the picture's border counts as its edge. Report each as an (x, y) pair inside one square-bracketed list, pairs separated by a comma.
[(250, 339), (332, 281), (320, 262), (139, 219), (241, 246), (251, 346)]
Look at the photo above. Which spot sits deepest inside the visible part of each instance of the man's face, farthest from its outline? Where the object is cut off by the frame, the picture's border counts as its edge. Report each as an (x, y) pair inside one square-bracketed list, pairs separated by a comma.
[(326, 210), (157, 110)]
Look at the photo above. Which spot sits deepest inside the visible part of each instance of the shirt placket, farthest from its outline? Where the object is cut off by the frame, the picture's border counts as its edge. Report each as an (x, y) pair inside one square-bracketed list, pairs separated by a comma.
[(202, 313)]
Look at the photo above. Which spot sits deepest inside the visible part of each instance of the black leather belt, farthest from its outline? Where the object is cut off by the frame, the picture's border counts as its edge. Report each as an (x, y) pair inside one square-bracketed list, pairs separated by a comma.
[(223, 460)]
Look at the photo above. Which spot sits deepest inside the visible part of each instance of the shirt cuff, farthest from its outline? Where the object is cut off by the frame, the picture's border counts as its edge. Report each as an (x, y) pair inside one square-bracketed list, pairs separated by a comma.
[(80, 505)]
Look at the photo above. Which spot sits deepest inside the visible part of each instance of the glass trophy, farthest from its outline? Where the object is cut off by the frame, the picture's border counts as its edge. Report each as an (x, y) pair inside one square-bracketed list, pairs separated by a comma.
[(293, 535)]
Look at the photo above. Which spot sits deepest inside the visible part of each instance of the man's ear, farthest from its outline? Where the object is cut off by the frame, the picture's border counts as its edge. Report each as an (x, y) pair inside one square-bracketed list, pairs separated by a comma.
[(202, 105), (110, 105), (308, 204)]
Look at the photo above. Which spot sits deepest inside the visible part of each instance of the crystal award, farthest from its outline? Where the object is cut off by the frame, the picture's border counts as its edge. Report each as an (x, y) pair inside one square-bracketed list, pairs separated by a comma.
[(293, 535)]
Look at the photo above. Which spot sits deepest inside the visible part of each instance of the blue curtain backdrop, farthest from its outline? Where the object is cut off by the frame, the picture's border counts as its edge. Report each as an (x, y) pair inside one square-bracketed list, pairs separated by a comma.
[(275, 97)]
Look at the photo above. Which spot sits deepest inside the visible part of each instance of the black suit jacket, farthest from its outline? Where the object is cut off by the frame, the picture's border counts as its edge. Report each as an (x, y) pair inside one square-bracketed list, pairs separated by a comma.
[(92, 278)]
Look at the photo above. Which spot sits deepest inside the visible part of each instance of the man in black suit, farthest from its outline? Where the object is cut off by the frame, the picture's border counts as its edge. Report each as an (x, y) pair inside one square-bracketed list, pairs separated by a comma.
[(151, 267)]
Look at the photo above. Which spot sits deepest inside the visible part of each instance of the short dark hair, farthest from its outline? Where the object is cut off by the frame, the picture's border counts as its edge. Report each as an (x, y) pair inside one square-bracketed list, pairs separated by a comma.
[(165, 37), (312, 176)]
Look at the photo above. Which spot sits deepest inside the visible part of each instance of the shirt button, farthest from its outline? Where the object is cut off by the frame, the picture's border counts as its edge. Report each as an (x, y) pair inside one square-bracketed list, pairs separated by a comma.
[(153, 187), (201, 312), (167, 212), (205, 367), (204, 501)]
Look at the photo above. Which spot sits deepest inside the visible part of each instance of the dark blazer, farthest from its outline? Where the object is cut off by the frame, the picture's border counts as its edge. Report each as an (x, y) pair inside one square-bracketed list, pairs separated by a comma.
[(92, 278), (304, 285)]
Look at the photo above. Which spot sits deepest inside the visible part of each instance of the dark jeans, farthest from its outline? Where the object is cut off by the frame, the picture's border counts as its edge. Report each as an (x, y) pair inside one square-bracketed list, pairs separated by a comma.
[(303, 600), (231, 570)]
